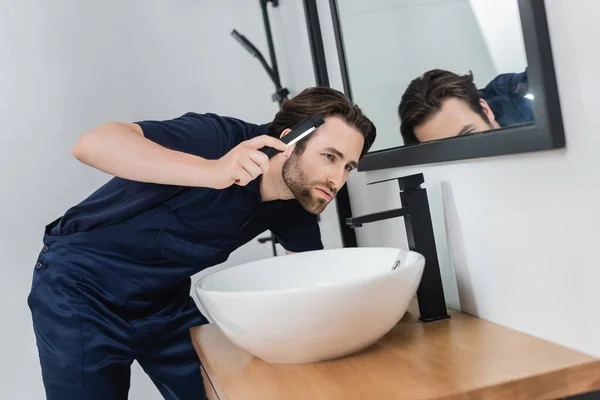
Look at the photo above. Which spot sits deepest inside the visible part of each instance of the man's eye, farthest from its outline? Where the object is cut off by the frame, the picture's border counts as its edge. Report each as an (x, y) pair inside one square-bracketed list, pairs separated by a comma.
[(329, 156), (349, 168)]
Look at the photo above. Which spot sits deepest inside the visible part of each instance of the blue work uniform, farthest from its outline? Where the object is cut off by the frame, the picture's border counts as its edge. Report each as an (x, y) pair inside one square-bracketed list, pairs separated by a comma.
[(505, 95), (111, 284)]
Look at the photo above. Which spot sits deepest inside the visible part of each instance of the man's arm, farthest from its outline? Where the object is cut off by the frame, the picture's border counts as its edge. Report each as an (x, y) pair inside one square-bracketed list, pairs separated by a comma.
[(121, 149)]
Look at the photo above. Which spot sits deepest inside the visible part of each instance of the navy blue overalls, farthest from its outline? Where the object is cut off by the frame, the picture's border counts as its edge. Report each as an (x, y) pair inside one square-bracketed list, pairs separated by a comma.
[(111, 284)]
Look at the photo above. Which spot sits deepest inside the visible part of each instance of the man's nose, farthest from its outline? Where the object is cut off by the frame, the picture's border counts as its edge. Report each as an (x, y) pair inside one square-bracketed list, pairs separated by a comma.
[(337, 178)]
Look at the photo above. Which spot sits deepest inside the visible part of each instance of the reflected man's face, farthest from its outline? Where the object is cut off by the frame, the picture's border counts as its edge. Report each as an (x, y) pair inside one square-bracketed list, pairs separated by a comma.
[(455, 118)]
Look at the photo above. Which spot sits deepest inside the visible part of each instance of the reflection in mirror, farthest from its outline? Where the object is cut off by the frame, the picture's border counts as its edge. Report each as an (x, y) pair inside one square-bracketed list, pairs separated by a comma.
[(426, 70)]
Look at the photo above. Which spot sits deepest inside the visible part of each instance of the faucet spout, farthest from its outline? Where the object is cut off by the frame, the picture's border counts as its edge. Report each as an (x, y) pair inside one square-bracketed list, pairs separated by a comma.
[(357, 222)]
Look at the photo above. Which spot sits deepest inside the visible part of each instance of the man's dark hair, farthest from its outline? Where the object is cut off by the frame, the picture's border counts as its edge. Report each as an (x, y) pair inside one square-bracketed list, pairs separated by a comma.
[(326, 102), (424, 96)]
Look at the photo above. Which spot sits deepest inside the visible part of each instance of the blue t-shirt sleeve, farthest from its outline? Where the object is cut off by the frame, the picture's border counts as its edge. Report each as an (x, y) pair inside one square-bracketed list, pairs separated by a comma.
[(298, 230), (205, 135)]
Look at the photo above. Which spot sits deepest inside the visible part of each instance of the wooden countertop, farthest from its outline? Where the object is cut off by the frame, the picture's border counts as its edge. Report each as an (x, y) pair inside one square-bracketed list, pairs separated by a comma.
[(459, 358)]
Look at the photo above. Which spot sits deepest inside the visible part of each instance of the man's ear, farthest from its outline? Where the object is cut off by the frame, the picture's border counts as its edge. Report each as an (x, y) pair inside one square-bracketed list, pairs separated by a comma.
[(488, 112), (285, 132)]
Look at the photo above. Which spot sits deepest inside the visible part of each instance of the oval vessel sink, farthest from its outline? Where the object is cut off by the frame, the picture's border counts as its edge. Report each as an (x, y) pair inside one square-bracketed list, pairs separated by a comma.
[(312, 306)]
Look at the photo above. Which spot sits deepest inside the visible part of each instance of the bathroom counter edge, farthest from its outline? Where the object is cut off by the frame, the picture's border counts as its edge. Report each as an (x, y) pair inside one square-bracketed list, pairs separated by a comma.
[(462, 357)]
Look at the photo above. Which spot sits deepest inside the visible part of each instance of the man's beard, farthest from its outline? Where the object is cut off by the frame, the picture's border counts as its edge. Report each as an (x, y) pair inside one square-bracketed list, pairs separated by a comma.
[(301, 187)]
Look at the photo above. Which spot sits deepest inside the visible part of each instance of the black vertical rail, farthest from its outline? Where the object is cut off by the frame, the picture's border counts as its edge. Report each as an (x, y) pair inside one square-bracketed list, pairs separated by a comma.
[(265, 14), (316, 42), (317, 49), (339, 43)]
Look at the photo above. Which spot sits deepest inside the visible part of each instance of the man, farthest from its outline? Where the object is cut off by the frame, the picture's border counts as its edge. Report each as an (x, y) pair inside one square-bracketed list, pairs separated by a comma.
[(442, 104), (112, 281)]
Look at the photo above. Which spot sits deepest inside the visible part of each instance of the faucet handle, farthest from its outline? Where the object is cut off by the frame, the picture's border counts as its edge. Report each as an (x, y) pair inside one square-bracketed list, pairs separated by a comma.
[(409, 182)]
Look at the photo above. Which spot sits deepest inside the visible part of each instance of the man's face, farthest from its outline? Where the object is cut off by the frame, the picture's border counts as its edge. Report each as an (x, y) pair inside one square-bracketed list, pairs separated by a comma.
[(316, 175), (455, 118)]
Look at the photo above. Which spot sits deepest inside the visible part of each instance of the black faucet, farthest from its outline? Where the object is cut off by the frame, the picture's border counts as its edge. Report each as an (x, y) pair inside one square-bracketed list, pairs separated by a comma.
[(419, 231)]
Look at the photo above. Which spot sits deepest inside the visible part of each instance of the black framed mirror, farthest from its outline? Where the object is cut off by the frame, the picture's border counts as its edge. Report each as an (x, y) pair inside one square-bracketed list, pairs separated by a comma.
[(475, 77)]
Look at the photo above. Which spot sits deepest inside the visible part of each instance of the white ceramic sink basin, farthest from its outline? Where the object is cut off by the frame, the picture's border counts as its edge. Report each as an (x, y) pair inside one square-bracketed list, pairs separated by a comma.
[(312, 306)]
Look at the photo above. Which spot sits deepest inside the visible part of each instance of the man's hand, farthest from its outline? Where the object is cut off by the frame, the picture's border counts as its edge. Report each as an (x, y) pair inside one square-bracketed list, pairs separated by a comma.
[(244, 162)]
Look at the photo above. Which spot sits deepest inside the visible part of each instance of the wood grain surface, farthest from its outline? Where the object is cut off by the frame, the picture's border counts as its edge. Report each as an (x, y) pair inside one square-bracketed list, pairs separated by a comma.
[(459, 358)]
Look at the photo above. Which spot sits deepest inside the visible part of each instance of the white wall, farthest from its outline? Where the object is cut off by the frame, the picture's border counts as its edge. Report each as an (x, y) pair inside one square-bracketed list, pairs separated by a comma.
[(68, 65), (500, 24), (523, 228)]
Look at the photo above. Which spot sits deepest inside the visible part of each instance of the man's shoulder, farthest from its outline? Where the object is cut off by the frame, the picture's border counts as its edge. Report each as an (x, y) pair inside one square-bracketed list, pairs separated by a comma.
[(207, 135), (225, 123), (505, 84)]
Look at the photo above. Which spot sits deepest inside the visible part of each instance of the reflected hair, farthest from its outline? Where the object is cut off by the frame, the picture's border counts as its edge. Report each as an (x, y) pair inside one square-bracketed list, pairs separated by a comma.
[(326, 102), (424, 97)]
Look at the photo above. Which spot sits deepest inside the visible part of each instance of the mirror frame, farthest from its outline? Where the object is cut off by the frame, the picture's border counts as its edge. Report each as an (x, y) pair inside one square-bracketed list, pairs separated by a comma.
[(545, 133)]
